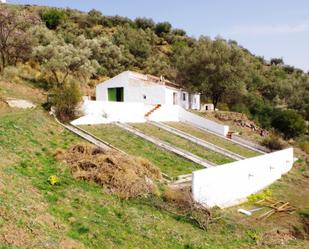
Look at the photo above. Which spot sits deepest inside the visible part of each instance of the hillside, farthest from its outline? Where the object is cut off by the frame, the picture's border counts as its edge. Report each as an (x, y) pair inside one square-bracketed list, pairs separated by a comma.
[(83, 214), (96, 47), (78, 214)]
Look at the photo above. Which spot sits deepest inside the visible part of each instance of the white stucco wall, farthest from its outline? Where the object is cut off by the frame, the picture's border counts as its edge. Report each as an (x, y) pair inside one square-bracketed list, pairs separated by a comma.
[(138, 90), (166, 113), (135, 112), (196, 101), (120, 80), (135, 90), (229, 184), (113, 112), (189, 117)]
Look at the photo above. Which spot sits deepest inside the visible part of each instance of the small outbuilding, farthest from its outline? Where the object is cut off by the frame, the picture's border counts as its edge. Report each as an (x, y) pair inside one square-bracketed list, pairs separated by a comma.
[(150, 90), (208, 107)]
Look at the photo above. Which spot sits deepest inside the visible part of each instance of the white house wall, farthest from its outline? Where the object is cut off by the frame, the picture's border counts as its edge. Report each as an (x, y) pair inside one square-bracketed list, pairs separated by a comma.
[(120, 80), (230, 184), (134, 90), (196, 101)]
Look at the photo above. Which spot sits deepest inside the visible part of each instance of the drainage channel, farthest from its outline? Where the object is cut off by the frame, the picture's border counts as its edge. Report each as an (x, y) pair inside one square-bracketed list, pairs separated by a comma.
[(180, 152), (198, 141)]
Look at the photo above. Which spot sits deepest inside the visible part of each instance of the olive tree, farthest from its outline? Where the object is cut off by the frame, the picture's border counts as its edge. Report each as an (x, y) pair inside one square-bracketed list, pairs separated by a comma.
[(108, 55), (63, 60), (15, 42), (214, 68)]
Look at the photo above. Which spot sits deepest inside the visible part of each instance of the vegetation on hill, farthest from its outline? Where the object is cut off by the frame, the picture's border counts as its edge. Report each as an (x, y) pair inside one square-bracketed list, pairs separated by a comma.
[(67, 46), (36, 213), (67, 52)]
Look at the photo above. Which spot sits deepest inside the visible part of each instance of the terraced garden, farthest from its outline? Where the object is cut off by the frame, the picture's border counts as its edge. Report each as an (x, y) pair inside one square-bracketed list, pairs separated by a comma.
[(182, 143), (208, 137), (169, 163)]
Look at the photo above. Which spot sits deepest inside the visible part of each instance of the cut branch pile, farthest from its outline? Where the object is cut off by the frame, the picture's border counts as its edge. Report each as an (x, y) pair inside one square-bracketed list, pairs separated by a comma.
[(123, 175)]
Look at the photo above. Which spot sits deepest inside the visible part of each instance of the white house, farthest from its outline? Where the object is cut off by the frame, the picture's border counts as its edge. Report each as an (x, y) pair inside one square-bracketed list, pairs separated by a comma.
[(136, 98), (147, 89)]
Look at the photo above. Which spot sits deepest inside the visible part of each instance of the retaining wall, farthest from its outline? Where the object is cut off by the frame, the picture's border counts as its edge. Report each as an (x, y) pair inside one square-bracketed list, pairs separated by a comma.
[(133, 112), (231, 183), (189, 117)]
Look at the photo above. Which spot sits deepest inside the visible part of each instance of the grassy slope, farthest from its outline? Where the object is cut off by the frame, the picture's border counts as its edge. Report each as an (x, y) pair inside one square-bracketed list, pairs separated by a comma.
[(183, 143), (214, 139), (34, 214), (37, 215), (169, 163)]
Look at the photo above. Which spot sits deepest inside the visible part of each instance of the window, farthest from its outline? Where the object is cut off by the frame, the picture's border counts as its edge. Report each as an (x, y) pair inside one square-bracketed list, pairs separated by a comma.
[(144, 96)]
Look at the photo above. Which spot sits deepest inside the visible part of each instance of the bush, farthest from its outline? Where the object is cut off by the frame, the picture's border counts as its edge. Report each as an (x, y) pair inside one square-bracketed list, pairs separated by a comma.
[(304, 145), (223, 107), (163, 28), (53, 17), (179, 32), (241, 108), (144, 23), (273, 143), (65, 100), (290, 123)]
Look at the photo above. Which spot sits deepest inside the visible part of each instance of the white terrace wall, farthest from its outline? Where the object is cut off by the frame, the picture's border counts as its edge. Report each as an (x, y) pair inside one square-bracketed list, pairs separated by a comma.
[(230, 184), (115, 111), (134, 112), (166, 113), (189, 117)]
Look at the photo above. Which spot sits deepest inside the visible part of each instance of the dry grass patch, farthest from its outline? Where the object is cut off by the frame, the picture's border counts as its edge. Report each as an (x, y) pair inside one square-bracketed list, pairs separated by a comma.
[(123, 175), (181, 199)]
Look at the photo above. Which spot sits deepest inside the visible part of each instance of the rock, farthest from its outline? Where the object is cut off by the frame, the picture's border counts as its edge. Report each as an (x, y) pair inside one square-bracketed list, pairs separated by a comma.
[(20, 103)]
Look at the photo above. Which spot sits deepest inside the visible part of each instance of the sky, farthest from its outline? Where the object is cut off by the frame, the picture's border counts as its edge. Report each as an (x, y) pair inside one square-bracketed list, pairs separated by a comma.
[(269, 28)]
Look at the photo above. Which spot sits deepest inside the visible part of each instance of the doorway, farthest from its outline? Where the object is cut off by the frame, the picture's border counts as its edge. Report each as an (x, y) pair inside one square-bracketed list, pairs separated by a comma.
[(115, 94), (175, 102)]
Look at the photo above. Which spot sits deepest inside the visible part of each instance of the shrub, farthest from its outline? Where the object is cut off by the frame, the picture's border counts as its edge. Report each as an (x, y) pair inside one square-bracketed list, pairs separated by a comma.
[(65, 99), (53, 17), (144, 23), (290, 123), (179, 32), (273, 143), (304, 145), (163, 27), (223, 107), (241, 108)]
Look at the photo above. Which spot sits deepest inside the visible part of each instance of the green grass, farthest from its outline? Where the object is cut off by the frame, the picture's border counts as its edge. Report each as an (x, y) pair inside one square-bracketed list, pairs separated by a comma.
[(34, 214), (169, 163), (81, 211), (213, 139), (183, 143)]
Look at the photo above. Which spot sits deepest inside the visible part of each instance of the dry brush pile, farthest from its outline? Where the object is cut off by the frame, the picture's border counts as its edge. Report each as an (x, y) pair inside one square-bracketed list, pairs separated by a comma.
[(123, 175)]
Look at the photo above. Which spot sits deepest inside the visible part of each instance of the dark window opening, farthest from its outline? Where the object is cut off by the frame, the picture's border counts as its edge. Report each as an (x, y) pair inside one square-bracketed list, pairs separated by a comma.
[(115, 94), (144, 96), (184, 97)]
